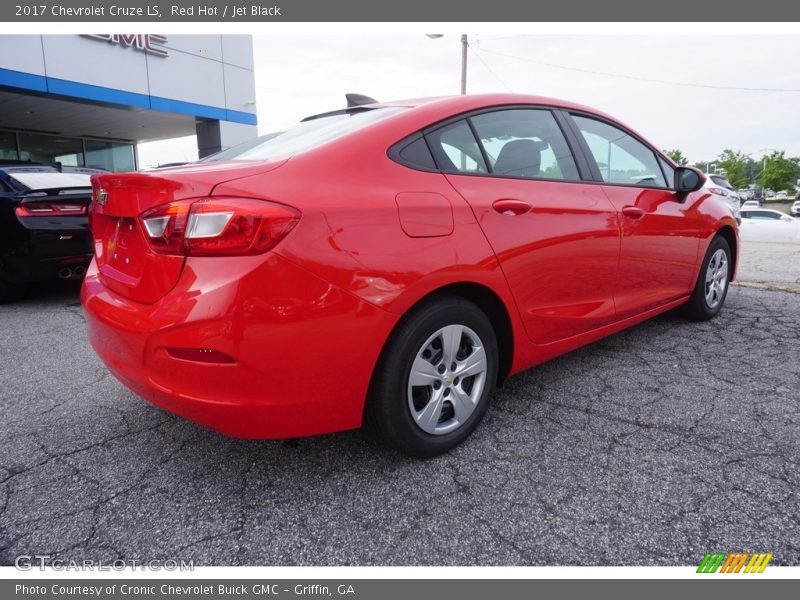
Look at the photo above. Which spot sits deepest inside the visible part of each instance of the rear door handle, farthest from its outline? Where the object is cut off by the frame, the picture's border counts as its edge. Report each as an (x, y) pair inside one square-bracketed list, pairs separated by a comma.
[(634, 212), (511, 207)]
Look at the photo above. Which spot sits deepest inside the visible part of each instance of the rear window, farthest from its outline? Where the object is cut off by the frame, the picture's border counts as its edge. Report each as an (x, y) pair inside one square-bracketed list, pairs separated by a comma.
[(722, 182), (761, 214), (308, 135), (44, 181)]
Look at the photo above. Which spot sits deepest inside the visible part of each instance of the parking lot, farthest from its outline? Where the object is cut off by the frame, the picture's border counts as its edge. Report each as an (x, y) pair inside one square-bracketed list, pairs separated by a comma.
[(648, 448)]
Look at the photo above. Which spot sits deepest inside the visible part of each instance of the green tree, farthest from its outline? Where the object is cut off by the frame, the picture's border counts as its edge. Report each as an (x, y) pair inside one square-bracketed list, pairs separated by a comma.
[(735, 166), (753, 170), (677, 156), (780, 173)]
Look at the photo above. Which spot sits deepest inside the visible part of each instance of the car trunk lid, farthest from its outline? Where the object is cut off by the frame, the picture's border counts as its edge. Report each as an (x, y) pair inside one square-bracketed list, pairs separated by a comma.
[(126, 262)]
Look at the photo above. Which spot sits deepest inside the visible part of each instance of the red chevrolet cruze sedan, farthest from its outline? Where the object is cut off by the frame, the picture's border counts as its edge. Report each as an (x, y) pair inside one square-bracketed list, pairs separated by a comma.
[(393, 262)]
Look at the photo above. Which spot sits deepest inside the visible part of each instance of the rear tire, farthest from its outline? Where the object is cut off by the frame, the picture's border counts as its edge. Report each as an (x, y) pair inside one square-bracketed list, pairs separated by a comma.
[(418, 402), (711, 288)]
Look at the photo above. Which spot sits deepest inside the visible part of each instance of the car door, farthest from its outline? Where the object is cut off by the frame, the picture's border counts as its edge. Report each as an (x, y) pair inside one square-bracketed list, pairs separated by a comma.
[(660, 232), (556, 237)]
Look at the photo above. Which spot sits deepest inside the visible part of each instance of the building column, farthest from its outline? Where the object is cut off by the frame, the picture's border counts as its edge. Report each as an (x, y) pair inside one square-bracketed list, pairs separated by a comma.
[(213, 136)]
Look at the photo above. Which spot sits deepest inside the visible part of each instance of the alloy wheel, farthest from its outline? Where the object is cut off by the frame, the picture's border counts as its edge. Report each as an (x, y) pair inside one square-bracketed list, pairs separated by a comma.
[(447, 378), (716, 278)]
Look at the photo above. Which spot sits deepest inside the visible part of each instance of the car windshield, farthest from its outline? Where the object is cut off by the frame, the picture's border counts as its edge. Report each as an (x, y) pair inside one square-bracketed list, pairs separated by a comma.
[(306, 135), (721, 181)]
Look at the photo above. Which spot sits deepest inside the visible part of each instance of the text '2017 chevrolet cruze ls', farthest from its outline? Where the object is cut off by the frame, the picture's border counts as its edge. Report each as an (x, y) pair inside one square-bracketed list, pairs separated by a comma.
[(392, 262)]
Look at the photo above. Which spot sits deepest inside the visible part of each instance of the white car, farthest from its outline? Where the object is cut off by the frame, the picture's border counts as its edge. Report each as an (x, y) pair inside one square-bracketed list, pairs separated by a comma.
[(722, 189), (794, 209), (751, 204), (782, 195), (768, 224)]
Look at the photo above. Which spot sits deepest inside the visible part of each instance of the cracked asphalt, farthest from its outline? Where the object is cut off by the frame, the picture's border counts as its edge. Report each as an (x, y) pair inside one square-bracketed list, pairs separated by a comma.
[(650, 447)]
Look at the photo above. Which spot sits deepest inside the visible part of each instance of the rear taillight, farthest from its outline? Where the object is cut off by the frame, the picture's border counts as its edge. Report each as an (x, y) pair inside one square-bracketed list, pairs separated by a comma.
[(217, 226), (49, 209), (718, 191)]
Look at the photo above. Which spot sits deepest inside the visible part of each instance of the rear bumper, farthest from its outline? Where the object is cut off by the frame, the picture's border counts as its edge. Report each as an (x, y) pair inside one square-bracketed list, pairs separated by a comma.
[(302, 350), (39, 255), (29, 269)]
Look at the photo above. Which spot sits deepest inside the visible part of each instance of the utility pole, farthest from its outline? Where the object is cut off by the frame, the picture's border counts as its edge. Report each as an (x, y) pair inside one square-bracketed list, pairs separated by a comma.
[(464, 46)]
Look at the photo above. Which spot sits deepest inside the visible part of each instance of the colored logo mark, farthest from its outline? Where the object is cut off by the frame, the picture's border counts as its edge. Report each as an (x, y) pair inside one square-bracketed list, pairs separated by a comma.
[(734, 562)]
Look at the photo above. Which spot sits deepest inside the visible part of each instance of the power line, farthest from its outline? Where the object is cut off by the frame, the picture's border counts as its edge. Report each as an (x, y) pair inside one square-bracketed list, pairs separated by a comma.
[(633, 77), (488, 68), (503, 37)]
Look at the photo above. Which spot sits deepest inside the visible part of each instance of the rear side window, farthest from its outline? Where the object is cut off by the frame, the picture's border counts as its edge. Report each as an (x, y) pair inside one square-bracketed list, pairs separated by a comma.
[(417, 154), (721, 182), (621, 158), (525, 143), (456, 149)]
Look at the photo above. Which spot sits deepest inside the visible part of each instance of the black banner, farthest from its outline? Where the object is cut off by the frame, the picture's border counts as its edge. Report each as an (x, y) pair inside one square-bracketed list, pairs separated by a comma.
[(393, 589), (406, 11)]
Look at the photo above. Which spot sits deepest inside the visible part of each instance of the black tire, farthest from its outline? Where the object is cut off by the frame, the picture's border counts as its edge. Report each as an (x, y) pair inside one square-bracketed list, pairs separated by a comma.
[(698, 307), (391, 398)]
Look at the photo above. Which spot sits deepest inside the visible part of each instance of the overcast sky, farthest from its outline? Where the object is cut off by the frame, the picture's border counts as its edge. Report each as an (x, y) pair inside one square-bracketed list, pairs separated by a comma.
[(301, 75)]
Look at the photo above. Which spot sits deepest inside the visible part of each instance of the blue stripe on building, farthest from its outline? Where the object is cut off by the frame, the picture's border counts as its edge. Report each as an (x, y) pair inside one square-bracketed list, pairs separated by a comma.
[(114, 97)]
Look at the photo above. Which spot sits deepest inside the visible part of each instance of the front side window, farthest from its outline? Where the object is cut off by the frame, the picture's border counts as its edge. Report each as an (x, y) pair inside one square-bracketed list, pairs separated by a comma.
[(669, 171), (525, 143), (621, 158)]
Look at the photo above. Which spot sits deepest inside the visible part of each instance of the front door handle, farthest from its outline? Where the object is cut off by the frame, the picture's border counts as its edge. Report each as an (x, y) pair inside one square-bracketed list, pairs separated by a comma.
[(634, 212), (511, 207)]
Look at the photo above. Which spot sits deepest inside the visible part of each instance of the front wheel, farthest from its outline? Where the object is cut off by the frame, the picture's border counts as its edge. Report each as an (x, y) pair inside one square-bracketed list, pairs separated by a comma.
[(712, 282), (432, 385)]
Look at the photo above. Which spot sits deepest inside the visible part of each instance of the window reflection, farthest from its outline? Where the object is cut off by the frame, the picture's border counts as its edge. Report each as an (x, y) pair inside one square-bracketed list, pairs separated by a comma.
[(69, 151)]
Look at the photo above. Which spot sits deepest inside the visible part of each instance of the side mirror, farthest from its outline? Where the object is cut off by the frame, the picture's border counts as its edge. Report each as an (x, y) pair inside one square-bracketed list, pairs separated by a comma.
[(687, 179)]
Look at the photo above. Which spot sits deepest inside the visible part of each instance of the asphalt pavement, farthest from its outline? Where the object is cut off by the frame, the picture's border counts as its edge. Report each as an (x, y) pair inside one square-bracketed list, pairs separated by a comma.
[(650, 447)]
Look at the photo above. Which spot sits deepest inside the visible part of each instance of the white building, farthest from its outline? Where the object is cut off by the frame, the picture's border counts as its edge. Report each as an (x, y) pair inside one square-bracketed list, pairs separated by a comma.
[(87, 100)]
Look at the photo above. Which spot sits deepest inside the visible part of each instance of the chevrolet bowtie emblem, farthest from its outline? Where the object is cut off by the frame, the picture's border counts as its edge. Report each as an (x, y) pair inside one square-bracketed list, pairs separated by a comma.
[(100, 196)]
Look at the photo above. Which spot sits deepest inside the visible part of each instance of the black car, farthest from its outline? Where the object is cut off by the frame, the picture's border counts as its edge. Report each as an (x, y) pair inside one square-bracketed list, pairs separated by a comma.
[(44, 231)]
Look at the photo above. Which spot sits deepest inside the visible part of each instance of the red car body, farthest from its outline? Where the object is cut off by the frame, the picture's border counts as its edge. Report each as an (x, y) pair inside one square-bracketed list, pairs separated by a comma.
[(284, 342)]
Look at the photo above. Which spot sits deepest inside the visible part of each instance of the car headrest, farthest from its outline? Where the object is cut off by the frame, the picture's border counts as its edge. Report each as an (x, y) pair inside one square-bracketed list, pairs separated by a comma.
[(521, 158)]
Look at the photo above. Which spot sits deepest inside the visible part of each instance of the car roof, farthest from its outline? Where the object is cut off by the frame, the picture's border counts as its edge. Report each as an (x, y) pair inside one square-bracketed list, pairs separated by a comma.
[(465, 103), (438, 108)]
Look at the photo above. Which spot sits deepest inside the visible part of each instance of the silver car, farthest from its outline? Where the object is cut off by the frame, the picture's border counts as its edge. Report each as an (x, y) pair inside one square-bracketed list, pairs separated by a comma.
[(722, 189)]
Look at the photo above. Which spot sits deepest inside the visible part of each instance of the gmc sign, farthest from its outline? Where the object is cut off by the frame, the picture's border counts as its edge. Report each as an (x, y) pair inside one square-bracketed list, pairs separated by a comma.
[(145, 42)]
